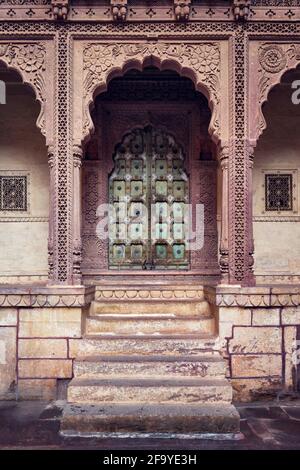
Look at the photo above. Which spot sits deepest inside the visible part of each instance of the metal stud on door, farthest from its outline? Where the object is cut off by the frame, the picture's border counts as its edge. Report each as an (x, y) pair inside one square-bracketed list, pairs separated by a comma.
[(148, 194)]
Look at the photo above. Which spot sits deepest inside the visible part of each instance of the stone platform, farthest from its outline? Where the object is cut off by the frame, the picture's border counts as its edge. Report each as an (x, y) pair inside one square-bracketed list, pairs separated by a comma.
[(147, 365)]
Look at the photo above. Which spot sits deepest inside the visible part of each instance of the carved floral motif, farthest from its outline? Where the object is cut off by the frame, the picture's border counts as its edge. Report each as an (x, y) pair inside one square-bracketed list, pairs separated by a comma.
[(30, 57), (205, 59), (272, 58)]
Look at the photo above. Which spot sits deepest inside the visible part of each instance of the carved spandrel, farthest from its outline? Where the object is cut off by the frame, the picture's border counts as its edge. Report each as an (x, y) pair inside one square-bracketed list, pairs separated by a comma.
[(29, 59), (202, 59)]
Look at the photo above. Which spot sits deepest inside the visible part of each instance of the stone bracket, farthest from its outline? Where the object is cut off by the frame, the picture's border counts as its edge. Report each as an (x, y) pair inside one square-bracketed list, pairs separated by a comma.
[(60, 9), (119, 9), (182, 9), (241, 9)]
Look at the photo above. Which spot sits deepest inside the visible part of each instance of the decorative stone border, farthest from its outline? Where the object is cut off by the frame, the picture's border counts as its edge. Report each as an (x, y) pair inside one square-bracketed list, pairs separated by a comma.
[(257, 296), (141, 293), (46, 297)]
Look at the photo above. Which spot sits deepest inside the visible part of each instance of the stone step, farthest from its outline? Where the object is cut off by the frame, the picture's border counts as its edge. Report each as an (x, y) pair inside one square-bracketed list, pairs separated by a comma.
[(89, 419), (199, 307), (148, 324), (149, 390), (199, 366), (165, 345)]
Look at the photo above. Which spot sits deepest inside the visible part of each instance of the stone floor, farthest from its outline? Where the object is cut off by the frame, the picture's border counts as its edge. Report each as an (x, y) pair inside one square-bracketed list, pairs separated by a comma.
[(35, 425)]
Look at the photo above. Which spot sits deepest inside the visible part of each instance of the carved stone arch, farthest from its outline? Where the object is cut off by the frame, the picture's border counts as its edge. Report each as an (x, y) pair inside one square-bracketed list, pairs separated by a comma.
[(29, 61), (199, 62), (274, 61)]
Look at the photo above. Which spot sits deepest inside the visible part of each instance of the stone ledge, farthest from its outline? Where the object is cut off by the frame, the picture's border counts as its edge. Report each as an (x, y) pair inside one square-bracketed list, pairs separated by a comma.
[(80, 296), (235, 296), (50, 296)]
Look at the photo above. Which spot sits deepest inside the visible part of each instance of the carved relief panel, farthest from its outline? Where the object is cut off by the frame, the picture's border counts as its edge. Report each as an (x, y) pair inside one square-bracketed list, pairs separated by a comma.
[(34, 62), (268, 63)]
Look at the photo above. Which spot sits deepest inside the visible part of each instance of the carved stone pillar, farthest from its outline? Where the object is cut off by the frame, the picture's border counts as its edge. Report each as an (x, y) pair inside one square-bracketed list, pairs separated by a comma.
[(224, 247), (240, 173), (240, 227), (51, 216), (250, 239), (77, 211)]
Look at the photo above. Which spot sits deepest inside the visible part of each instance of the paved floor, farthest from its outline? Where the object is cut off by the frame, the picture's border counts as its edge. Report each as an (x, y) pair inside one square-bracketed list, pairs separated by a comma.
[(35, 425)]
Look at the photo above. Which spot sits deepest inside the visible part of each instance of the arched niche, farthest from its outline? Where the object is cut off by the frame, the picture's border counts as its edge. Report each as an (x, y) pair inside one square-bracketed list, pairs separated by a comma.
[(276, 178), (163, 100), (24, 180)]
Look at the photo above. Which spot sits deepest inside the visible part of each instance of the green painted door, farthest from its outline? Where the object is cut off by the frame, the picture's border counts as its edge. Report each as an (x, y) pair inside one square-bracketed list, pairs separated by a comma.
[(148, 195)]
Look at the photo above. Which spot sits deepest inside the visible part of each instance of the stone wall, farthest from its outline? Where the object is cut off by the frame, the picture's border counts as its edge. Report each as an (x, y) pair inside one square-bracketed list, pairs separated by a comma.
[(259, 342), (34, 350), (258, 330)]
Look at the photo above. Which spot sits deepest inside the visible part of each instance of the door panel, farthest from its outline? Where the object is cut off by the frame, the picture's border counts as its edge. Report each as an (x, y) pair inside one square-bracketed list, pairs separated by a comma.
[(148, 193)]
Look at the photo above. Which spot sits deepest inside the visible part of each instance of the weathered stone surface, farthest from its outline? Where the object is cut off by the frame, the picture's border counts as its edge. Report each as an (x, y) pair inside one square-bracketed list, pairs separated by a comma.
[(235, 315), (256, 340), (45, 368), (145, 390), (225, 330), (148, 324), (291, 357), (266, 316), (161, 306), (208, 418), (290, 316), (8, 316), (189, 344), (7, 362), (37, 389), (290, 338), (254, 389), (43, 348), (199, 366), (50, 322), (256, 365)]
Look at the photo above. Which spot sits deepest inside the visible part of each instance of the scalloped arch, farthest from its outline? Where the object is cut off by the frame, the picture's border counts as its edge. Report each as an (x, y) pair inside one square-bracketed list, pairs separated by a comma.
[(200, 63), (262, 124), (40, 123)]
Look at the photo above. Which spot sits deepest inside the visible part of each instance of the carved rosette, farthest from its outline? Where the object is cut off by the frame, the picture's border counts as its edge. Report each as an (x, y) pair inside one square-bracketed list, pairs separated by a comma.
[(99, 60), (29, 60), (274, 61)]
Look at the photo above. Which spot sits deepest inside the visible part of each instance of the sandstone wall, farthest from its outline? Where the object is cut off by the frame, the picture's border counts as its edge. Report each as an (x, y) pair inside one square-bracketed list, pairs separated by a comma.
[(258, 344), (34, 350)]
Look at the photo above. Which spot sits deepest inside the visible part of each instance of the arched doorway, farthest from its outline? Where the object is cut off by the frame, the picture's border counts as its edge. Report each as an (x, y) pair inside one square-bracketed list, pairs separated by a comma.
[(149, 195), (167, 120)]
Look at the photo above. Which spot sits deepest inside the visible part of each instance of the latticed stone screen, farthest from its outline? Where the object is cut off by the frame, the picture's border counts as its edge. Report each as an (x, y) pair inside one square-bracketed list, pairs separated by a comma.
[(279, 192), (13, 193)]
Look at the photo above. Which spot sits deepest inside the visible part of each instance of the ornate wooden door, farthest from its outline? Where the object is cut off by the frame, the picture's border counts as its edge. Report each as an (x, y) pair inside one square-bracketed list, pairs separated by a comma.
[(148, 195)]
